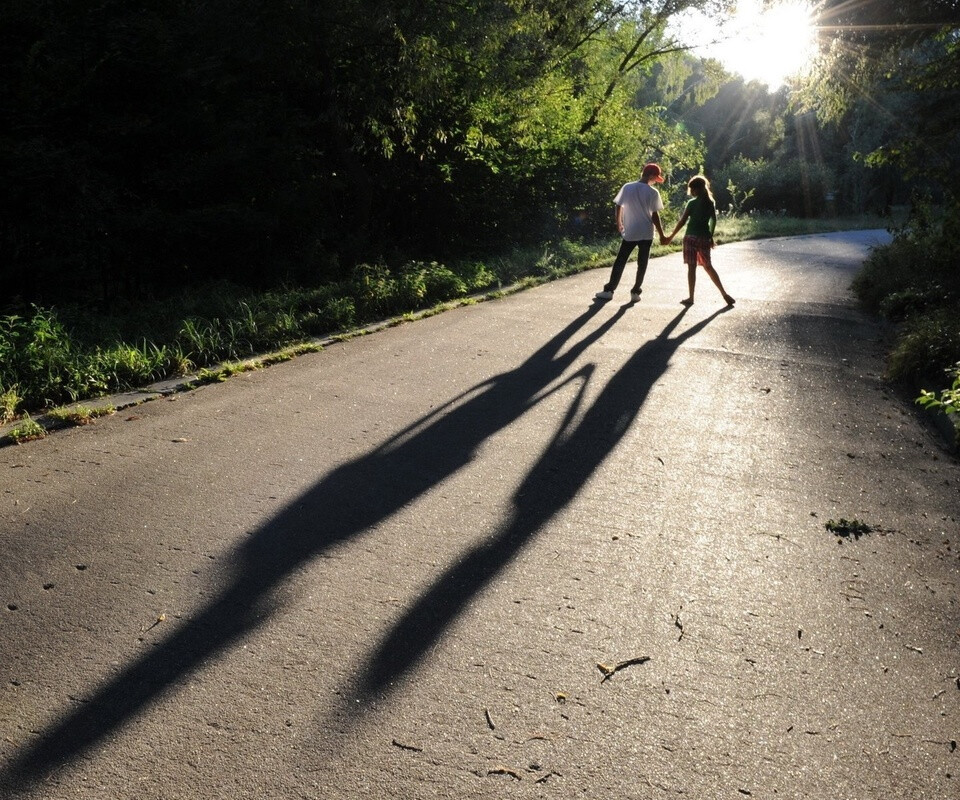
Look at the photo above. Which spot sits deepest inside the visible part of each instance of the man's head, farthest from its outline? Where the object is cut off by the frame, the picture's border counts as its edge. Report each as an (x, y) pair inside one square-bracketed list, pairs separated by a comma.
[(652, 174)]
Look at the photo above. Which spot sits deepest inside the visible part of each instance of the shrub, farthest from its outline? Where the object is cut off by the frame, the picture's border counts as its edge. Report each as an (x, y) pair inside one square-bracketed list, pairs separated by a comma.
[(915, 282), (796, 187), (336, 314), (412, 286), (888, 271), (478, 277), (949, 399), (926, 342), (441, 283), (374, 289), (10, 400), (37, 353)]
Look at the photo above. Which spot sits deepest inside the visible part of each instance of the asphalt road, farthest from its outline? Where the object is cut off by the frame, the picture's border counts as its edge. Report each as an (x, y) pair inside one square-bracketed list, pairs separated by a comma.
[(533, 548)]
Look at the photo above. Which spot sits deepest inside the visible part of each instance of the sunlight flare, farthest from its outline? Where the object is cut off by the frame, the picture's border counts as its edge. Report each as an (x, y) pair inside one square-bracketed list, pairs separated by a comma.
[(766, 42)]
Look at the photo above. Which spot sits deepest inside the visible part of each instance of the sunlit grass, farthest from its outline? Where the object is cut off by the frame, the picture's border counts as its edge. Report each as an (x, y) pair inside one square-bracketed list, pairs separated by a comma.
[(747, 226), (26, 431), (80, 414)]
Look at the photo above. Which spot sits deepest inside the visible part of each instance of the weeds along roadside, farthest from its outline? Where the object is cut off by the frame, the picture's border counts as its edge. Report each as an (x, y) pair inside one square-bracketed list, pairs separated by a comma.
[(50, 357), (914, 284)]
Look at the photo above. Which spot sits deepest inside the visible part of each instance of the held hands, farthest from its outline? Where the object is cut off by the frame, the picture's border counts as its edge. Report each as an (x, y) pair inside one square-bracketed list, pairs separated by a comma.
[(665, 240)]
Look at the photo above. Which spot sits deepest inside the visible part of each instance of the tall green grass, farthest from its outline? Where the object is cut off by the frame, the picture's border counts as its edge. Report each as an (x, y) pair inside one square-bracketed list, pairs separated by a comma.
[(54, 356)]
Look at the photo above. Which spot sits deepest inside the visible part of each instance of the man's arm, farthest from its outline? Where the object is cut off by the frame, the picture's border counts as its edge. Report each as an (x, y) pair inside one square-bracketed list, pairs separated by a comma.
[(619, 218), (656, 223)]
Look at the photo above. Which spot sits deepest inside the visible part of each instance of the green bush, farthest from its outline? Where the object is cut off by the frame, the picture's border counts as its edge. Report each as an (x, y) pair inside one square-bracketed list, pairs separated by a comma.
[(915, 282), (949, 399), (925, 344), (374, 289), (793, 187), (442, 284), (37, 354), (336, 314), (412, 286), (888, 271)]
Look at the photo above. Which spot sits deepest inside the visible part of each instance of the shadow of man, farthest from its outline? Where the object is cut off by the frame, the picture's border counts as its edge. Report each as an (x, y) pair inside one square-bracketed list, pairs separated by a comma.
[(347, 501), (575, 453)]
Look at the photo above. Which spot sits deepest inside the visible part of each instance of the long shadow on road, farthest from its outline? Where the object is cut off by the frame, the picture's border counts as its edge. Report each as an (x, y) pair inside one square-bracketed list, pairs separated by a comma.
[(359, 494), (576, 452)]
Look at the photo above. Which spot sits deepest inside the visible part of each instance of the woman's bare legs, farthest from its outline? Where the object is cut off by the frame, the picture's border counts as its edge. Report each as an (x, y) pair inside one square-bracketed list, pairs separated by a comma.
[(703, 257), (691, 283), (716, 282)]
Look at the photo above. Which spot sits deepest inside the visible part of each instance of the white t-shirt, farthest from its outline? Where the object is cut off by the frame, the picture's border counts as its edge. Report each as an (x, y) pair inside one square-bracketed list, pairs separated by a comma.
[(639, 201)]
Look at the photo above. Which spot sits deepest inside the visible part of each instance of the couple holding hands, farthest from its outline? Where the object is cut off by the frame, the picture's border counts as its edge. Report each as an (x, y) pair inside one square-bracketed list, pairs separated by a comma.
[(638, 206)]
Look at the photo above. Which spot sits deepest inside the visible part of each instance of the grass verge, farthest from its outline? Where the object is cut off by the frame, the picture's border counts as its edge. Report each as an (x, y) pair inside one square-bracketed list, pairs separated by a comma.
[(54, 356), (27, 430), (79, 415)]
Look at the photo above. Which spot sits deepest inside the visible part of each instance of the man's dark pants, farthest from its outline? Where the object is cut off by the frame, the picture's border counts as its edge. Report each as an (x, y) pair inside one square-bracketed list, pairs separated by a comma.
[(643, 256)]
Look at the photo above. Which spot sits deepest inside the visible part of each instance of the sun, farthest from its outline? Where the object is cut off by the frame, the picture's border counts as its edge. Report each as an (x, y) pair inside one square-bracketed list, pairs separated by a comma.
[(770, 44), (766, 42)]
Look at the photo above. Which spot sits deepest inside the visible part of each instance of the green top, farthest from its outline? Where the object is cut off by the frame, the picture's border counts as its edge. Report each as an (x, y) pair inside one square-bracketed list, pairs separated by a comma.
[(702, 217)]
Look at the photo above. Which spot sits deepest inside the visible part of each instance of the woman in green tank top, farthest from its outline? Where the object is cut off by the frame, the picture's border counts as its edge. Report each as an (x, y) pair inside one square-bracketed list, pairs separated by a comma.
[(700, 217)]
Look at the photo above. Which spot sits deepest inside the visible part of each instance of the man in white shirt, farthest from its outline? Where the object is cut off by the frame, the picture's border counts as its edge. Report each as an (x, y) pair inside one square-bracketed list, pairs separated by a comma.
[(638, 204)]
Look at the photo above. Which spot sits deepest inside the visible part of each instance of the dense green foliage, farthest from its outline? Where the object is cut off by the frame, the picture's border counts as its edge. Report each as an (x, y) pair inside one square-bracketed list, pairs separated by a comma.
[(147, 146), (47, 358), (905, 58), (915, 283), (948, 400), (770, 151)]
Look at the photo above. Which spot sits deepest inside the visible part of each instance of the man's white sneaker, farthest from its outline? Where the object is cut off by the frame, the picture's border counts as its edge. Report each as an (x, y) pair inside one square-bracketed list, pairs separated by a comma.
[(603, 296), (634, 297)]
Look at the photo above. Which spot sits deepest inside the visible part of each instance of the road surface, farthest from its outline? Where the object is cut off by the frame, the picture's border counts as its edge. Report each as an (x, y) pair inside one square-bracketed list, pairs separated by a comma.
[(533, 548)]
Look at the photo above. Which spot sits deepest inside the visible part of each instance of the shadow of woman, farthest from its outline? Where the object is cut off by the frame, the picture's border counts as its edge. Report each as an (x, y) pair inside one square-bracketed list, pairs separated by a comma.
[(575, 453), (347, 501)]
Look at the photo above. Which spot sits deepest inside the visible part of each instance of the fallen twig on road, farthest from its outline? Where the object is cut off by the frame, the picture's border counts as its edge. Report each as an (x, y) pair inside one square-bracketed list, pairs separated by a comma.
[(610, 670), (409, 747), (778, 536)]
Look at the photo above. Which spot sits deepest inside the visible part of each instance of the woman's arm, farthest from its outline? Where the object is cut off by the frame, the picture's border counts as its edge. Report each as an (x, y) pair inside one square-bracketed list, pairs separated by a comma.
[(683, 219), (681, 222)]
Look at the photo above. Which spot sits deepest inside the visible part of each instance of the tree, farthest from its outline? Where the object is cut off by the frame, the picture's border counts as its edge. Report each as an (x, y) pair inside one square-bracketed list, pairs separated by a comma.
[(148, 146), (902, 61)]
